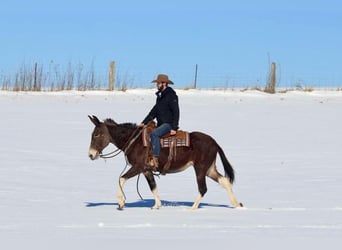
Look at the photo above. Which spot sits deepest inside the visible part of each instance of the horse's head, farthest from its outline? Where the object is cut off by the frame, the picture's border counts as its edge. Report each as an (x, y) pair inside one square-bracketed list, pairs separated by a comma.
[(100, 138)]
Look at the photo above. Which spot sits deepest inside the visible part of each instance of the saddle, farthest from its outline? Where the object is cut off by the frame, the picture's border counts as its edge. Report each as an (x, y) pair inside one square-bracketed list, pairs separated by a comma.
[(180, 139)]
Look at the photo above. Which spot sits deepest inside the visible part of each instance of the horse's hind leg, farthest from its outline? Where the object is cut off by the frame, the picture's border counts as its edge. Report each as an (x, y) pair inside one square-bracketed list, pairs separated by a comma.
[(202, 187), (153, 186), (224, 182)]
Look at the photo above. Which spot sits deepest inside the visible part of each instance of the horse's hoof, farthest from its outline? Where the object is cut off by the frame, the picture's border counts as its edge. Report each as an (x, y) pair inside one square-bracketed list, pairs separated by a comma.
[(157, 205), (241, 205)]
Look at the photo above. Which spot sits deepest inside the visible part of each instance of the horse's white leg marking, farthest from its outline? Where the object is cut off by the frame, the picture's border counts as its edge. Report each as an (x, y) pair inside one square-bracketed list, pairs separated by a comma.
[(228, 187), (197, 201), (157, 202), (121, 200), (212, 172)]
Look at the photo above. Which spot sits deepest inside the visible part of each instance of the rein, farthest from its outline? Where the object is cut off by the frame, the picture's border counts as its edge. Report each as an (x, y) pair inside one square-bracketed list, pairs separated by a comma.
[(111, 154), (126, 147)]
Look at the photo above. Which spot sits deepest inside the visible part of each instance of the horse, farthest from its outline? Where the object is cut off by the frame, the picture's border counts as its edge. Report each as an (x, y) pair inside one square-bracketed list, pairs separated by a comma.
[(201, 154)]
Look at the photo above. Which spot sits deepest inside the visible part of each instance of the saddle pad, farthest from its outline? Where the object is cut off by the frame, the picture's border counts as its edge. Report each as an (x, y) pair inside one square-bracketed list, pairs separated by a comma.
[(181, 139)]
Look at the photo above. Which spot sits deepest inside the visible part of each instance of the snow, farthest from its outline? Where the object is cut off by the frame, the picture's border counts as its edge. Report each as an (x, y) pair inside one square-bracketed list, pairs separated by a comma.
[(286, 150)]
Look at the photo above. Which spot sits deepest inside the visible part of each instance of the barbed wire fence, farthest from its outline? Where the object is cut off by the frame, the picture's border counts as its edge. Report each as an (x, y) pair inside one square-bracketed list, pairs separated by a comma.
[(56, 77)]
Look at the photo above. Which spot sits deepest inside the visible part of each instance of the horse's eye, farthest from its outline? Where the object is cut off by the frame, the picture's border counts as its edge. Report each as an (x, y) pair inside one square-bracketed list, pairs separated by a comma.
[(96, 135)]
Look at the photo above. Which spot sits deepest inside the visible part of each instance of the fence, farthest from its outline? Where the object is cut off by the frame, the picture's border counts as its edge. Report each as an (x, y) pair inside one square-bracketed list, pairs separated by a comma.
[(36, 77)]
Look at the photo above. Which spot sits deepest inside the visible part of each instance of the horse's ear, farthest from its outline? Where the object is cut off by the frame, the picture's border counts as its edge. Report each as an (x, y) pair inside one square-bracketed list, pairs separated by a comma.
[(94, 120)]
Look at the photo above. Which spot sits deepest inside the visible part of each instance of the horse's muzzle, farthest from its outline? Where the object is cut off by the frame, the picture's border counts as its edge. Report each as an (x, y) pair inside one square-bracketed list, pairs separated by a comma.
[(93, 154)]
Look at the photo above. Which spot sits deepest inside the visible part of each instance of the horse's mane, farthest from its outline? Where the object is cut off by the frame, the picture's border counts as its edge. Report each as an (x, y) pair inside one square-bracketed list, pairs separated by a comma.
[(128, 125), (111, 122)]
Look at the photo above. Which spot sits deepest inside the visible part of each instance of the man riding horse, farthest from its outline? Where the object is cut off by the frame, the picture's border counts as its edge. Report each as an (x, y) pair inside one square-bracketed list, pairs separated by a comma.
[(166, 111)]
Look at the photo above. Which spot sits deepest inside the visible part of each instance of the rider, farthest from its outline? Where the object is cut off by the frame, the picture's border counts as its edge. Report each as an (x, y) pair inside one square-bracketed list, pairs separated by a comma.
[(166, 111)]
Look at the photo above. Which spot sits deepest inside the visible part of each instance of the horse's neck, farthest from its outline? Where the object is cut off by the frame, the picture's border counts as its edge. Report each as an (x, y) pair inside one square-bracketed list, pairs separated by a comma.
[(120, 136)]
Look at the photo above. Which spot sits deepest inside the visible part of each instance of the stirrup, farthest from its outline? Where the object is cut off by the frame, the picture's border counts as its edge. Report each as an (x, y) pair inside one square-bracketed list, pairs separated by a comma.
[(152, 164)]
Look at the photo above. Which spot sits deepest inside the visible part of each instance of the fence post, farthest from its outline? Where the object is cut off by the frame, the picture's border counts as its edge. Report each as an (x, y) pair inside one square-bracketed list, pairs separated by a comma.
[(270, 87), (195, 83), (35, 86), (111, 75)]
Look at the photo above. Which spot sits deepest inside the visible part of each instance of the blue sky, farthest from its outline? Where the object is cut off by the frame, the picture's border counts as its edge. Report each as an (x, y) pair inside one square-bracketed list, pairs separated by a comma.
[(229, 40)]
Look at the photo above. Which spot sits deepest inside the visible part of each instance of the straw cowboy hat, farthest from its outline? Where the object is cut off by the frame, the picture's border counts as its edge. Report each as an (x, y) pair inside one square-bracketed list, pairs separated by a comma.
[(163, 78)]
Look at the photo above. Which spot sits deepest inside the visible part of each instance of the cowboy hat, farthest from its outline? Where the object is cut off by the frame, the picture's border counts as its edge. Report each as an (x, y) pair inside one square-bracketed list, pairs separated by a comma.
[(163, 78)]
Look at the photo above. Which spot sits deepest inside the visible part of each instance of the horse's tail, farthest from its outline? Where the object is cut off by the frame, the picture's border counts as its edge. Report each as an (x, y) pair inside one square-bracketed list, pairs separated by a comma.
[(228, 169)]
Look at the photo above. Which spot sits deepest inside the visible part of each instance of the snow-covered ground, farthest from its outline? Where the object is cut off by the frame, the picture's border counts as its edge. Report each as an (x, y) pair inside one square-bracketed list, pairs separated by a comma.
[(286, 150)]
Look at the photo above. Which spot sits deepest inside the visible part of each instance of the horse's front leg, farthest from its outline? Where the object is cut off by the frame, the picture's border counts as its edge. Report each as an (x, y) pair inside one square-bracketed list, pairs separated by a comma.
[(133, 171), (153, 187), (121, 200)]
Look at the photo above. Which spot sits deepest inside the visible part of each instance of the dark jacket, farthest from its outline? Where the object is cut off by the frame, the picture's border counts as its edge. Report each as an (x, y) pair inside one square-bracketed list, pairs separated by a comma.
[(166, 109)]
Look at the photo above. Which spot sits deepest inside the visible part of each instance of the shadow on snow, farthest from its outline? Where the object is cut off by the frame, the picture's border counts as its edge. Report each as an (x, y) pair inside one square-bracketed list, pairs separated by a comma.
[(148, 203)]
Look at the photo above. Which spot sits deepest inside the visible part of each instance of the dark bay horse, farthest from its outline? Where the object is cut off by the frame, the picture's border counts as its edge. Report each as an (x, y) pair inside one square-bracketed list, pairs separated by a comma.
[(201, 155)]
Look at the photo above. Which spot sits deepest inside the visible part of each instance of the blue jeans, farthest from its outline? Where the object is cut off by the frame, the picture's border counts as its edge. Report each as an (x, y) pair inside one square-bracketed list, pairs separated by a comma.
[(156, 135)]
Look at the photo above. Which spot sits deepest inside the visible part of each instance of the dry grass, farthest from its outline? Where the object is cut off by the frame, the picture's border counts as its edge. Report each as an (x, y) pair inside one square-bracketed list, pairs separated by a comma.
[(52, 78), (55, 77)]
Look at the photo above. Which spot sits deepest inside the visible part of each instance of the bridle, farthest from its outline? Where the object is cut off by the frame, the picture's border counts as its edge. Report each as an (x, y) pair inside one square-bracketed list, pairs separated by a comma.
[(126, 147)]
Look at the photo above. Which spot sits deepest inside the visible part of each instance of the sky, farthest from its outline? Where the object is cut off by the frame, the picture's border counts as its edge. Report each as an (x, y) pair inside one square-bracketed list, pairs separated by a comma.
[(230, 41)]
